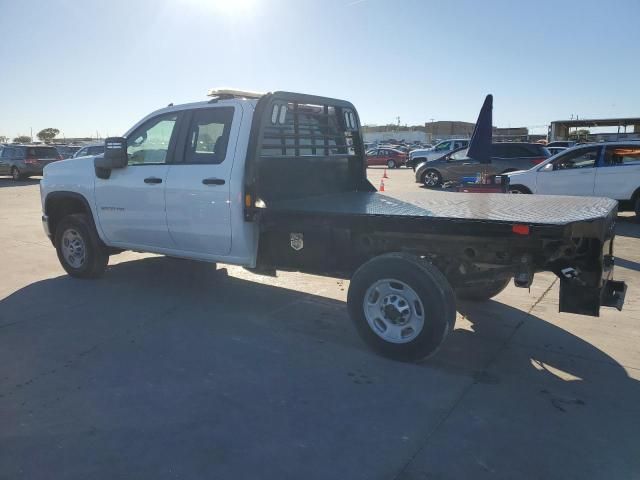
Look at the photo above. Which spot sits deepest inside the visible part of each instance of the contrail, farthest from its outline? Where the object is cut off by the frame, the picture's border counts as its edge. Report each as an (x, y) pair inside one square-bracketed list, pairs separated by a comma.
[(355, 2)]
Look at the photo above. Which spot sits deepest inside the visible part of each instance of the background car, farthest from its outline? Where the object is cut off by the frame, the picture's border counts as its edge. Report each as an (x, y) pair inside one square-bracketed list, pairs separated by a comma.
[(424, 155), (96, 149), (610, 170), (505, 157), (554, 150), (388, 157), (22, 161), (563, 144), (67, 151)]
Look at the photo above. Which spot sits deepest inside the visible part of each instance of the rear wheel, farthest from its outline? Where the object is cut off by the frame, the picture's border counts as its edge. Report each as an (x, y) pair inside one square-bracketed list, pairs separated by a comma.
[(402, 306), (431, 178), (80, 251), (482, 291), (15, 174), (391, 163), (637, 208)]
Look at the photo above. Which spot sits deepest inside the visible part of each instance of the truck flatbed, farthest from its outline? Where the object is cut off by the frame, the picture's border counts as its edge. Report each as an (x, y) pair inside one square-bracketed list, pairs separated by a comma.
[(480, 207)]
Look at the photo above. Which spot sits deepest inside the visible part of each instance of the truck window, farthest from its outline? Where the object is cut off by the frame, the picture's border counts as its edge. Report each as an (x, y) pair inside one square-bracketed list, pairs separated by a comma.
[(208, 136), (149, 143)]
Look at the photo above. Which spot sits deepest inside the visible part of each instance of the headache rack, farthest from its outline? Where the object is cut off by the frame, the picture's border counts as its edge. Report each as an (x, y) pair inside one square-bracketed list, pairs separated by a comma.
[(303, 145)]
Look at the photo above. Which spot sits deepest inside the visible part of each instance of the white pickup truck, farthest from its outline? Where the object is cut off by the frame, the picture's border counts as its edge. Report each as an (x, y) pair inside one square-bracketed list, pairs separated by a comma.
[(278, 181)]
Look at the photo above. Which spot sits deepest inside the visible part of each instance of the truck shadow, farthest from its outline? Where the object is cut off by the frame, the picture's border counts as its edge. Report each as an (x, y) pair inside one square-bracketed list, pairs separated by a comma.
[(628, 226), (194, 290)]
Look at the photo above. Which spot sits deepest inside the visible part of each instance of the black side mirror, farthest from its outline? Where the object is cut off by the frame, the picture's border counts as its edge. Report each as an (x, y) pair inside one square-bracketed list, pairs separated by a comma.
[(115, 156)]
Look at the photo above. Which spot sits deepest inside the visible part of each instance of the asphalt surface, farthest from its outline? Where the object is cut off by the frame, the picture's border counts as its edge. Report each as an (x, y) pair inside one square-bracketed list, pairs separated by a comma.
[(171, 369)]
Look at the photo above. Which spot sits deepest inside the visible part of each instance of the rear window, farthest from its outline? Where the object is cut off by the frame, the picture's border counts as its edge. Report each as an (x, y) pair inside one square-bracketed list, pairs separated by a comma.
[(625, 155), (42, 152), (300, 130)]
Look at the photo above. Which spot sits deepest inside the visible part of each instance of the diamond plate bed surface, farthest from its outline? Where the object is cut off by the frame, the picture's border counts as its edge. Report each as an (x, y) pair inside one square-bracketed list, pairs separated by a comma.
[(531, 209)]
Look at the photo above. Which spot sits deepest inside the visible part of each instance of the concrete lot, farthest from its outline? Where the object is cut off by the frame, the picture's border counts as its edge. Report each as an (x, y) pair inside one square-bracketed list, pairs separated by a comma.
[(166, 369)]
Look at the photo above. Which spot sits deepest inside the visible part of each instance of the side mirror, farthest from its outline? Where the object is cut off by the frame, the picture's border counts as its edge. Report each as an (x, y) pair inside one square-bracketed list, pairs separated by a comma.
[(547, 168), (115, 156)]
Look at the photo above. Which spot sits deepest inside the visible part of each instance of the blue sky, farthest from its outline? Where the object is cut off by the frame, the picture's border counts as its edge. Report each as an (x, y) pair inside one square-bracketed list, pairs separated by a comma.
[(83, 66)]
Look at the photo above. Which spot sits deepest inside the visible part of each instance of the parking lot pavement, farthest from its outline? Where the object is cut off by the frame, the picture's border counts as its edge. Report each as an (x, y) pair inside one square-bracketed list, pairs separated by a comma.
[(170, 369)]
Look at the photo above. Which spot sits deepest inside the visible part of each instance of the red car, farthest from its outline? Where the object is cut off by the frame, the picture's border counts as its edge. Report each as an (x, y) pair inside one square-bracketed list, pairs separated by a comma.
[(389, 157)]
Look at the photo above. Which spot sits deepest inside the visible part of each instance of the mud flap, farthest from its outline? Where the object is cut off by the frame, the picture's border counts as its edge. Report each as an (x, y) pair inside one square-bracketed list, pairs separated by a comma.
[(584, 300)]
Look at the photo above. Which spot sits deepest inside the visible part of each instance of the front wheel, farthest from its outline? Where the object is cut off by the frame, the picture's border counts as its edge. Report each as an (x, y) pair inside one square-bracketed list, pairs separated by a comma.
[(519, 190), (80, 251), (431, 178), (637, 208), (391, 164), (402, 306)]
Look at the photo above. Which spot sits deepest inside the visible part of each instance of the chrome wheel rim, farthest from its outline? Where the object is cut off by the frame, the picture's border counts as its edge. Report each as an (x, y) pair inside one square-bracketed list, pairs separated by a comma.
[(431, 179), (391, 164), (393, 311), (73, 248), (515, 192)]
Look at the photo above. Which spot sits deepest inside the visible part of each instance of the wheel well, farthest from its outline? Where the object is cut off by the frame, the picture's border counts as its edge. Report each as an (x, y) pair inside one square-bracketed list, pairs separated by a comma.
[(635, 196), (520, 187), (58, 206)]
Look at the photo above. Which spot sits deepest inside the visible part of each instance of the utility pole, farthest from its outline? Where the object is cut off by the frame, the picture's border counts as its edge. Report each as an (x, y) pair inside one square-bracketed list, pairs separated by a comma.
[(398, 121)]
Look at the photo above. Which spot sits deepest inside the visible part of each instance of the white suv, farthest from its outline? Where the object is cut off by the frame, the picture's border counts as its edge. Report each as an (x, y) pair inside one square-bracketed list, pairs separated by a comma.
[(603, 170)]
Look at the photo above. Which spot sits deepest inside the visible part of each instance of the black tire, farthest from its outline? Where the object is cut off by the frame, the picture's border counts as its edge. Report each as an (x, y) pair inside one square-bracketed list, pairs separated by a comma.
[(96, 256), (637, 208), (482, 291), (519, 189), (391, 163), (16, 175), (430, 286), (431, 178)]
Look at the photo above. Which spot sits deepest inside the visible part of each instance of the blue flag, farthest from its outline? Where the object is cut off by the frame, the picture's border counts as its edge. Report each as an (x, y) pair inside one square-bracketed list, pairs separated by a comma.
[(480, 144)]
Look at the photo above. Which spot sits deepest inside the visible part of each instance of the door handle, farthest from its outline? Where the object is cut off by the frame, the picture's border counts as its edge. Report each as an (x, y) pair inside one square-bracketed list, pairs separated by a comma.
[(213, 181), (152, 180)]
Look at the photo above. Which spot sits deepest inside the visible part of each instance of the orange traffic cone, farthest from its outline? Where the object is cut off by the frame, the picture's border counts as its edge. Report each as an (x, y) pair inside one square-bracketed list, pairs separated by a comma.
[(381, 189), (384, 175)]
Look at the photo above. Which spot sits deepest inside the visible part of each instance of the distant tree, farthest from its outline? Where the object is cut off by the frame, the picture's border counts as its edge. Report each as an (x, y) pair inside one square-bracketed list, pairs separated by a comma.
[(48, 134), (3, 139), (22, 139)]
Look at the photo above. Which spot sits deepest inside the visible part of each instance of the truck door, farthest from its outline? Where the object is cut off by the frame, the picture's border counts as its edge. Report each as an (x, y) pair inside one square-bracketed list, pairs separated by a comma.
[(198, 184), (573, 173), (130, 203)]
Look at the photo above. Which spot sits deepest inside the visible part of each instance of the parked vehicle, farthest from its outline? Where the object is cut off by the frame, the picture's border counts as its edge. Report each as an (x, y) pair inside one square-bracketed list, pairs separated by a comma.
[(606, 170), (389, 157), (563, 144), (505, 157), (554, 150), (440, 149), (90, 150), (67, 151), (278, 181), (23, 161)]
